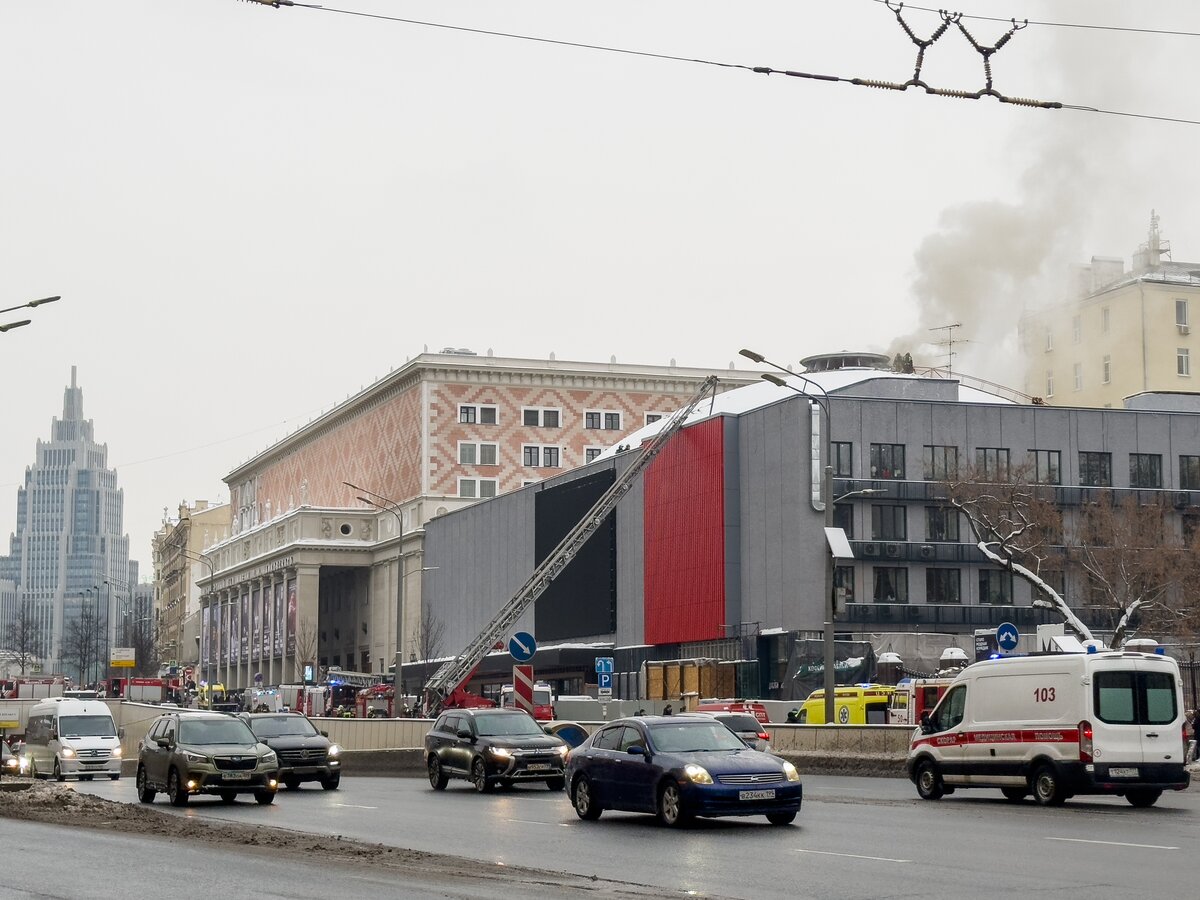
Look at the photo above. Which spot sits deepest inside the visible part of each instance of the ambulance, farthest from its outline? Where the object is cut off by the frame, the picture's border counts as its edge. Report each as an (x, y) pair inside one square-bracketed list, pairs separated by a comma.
[(1055, 725), (854, 704)]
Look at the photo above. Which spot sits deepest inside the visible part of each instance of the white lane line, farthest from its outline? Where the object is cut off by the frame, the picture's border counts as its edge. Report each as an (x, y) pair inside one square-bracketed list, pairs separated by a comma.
[(1113, 843), (852, 855), (354, 806), (547, 824)]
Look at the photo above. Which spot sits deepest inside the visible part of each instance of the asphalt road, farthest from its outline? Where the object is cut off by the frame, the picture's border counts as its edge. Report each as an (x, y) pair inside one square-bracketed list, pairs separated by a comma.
[(855, 837)]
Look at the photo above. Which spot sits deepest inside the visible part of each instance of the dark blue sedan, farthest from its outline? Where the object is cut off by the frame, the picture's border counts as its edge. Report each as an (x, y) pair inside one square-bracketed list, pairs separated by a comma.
[(679, 767)]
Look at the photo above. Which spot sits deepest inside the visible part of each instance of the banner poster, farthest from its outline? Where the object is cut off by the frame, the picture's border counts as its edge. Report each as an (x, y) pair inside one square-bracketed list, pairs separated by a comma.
[(245, 627), (234, 631), (265, 634), (256, 612), (204, 636), (291, 615), (223, 632), (216, 636), (277, 622)]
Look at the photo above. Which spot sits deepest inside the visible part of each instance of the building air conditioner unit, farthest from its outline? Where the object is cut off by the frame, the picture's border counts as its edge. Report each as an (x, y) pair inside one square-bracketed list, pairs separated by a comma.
[(892, 550), (928, 551), (870, 549), (1183, 329)]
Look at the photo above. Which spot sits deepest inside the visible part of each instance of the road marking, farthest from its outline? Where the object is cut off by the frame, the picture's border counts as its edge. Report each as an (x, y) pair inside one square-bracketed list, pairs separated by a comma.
[(852, 855), (548, 824), (354, 806), (1113, 843)]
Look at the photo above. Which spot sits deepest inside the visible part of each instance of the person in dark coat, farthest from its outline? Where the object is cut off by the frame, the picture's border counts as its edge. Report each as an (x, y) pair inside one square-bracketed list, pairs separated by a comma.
[(667, 710)]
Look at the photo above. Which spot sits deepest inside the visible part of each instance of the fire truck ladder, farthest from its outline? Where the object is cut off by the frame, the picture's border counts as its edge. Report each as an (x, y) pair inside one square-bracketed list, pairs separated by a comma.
[(453, 672)]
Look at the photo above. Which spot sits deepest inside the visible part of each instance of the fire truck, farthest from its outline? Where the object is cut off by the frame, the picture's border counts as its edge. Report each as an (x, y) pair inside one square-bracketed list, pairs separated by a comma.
[(915, 697), (543, 700), (447, 688)]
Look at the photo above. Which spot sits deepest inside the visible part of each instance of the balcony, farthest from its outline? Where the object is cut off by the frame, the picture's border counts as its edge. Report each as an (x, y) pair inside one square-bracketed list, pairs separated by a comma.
[(959, 618)]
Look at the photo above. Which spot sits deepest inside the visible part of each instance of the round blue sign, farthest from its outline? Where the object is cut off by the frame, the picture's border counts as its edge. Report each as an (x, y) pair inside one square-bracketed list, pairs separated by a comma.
[(522, 646), (1007, 636)]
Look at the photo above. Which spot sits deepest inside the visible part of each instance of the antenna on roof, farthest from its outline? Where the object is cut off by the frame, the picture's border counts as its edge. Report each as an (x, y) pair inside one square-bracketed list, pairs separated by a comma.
[(949, 344)]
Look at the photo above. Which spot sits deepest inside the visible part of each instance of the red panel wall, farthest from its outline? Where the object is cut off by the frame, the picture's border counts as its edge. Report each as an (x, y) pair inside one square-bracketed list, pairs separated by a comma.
[(684, 537)]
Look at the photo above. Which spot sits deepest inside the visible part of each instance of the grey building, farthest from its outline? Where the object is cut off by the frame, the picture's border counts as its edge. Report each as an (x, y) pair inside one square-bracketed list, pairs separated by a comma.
[(69, 550), (718, 551)]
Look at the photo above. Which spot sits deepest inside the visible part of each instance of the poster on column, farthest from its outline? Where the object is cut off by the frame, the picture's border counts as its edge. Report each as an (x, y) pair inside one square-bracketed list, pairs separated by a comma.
[(234, 631), (222, 633), (204, 637), (214, 641), (245, 627), (256, 614), (266, 623), (291, 615), (277, 622)]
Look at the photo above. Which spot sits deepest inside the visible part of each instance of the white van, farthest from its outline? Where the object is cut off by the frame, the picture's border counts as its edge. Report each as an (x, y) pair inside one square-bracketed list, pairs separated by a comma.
[(1056, 725), (72, 737)]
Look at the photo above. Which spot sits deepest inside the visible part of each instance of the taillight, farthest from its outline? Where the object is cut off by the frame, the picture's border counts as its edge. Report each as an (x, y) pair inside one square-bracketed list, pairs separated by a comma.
[(1085, 742), (763, 736)]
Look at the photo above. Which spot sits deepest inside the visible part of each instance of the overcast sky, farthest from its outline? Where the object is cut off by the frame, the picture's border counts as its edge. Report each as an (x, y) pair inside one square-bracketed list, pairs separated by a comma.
[(251, 212)]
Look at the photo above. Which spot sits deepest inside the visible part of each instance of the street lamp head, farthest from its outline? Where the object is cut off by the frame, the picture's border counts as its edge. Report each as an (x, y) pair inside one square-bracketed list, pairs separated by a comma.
[(774, 379), (11, 325), (751, 355), (33, 303)]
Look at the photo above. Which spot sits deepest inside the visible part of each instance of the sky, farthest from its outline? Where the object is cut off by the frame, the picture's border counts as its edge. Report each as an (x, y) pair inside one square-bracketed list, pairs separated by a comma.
[(251, 213)]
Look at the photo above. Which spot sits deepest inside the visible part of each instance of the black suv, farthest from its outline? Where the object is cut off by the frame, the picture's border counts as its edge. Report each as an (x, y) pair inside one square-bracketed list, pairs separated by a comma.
[(189, 752), (305, 754), (492, 747)]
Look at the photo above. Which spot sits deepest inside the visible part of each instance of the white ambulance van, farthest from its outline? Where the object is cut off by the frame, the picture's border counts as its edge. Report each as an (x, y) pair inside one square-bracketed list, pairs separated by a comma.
[(72, 737), (1055, 725)]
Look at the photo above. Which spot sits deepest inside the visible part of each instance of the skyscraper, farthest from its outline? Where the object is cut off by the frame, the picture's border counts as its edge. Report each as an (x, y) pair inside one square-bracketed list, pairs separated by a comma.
[(68, 558)]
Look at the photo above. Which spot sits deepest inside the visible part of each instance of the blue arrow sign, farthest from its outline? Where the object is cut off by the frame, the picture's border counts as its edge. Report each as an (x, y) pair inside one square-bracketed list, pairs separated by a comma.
[(604, 664), (1007, 636), (522, 646)]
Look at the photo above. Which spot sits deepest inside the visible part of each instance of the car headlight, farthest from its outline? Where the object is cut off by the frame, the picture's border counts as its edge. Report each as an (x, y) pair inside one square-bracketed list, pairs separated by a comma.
[(268, 759), (790, 771), (334, 750), (116, 753), (12, 763), (562, 751), (68, 753), (697, 774), (499, 752), (195, 757)]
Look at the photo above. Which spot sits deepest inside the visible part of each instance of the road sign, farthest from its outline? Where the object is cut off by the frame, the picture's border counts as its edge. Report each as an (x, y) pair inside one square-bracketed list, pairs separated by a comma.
[(604, 665), (604, 685), (122, 658), (523, 687), (1007, 637), (522, 646)]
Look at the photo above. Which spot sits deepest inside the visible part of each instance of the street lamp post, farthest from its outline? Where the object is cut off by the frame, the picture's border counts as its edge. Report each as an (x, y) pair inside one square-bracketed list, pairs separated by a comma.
[(7, 326)]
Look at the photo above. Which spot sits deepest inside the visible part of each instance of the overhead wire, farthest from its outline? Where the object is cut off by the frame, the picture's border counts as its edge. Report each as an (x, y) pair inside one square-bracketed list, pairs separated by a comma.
[(1083, 25), (760, 70)]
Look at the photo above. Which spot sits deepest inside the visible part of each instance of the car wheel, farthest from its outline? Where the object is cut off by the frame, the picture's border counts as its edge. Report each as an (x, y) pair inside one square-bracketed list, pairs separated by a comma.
[(584, 801), (331, 783), (1047, 789), (264, 798), (670, 806), (781, 818), (144, 791), (58, 775), (1143, 797), (1015, 794), (228, 796), (556, 784), (176, 792), (929, 781), (479, 776), (291, 784), (437, 777)]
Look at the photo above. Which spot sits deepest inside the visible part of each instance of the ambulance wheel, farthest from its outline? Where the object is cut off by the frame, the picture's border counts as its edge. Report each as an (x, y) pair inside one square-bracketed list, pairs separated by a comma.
[(929, 781), (1047, 789), (1014, 794), (1143, 797)]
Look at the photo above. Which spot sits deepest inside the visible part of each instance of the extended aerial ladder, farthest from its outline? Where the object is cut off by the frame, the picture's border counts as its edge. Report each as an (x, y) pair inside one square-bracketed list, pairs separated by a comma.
[(453, 673)]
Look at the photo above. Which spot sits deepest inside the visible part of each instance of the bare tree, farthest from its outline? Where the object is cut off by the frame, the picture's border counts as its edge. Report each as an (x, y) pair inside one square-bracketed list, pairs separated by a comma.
[(426, 644), (306, 646), (79, 643), (23, 636), (145, 650)]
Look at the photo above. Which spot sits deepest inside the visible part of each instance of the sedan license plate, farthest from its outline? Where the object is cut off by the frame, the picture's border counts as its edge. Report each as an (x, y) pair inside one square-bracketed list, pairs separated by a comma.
[(236, 776), (1123, 773), (757, 795), (538, 767)]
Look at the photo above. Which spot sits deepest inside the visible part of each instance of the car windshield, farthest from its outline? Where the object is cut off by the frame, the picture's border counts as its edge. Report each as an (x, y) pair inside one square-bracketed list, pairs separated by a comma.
[(215, 731), (685, 737), (86, 726), (281, 726), (507, 725)]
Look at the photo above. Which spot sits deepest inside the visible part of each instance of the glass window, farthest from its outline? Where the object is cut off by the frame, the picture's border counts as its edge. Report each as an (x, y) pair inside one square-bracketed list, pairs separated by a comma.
[(550, 418), (1076, 329), (887, 460), (1183, 362), (1046, 465), (941, 523), (843, 466), (1077, 374), (891, 584), (467, 487), (943, 586), (995, 586), (949, 712), (843, 518), (487, 487), (591, 420), (1181, 312), (888, 523), (488, 415), (992, 463), (1104, 319), (1141, 698), (843, 584), (941, 463), (607, 739), (466, 454), (1106, 369), (591, 453), (550, 457), (1145, 470), (612, 421), (529, 417), (531, 456), (1095, 469), (651, 418), (630, 737), (1049, 340), (467, 414), (489, 454), (1049, 383), (1189, 473)]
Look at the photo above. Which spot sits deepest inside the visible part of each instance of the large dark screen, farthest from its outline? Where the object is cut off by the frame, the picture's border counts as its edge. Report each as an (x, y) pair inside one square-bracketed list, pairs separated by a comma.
[(582, 601)]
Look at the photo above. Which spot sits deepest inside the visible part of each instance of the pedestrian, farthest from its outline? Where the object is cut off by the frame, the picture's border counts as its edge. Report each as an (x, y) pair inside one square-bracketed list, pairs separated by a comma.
[(793, 716), (1196, 735), (667, 710), (641, 711)]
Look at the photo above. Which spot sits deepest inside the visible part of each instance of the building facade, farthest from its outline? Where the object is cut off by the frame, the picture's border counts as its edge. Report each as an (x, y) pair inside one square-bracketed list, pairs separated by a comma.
[(1125, 333), (69, 551), (322, 522)]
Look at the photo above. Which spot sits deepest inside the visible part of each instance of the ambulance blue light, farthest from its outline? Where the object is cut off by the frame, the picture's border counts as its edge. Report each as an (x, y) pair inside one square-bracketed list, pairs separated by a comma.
[(1161, 651), (995, 656), (1091, 648)]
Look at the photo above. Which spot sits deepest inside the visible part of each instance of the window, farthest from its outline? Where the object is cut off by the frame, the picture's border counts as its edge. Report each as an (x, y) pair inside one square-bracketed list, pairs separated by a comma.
[(949, 713), (1145, 470), (941, 523), (1189, 473), (1076, 329), (541, 457), (591, 453), (612, 421), (1049, 340), (531, 456), (941, 463), (477, 487), (1104, 319), (842, 452), (943, 586), (843, 584), (1126, 697), (651, 418), (1077, 375), (888, 523), (1049, 383), (843, 518), (540, 417), (1046, 466), (609, 421), (478, 414), (992, 463), (1056, 579), (551, 457), (995, 586), (1183, 363), (887, 460), (472, 454), (1095, 469), (891, 584), (1181, 313), (1106, 369)]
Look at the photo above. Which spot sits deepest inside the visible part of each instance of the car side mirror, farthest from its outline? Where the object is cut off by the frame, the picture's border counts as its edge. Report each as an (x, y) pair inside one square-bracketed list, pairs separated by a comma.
[(464, 733), (121, 734), (53, 735), (324, 734), (163, 741), (637, 750), (926, 723), (546, 728)]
